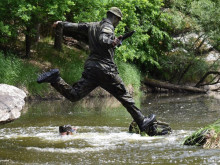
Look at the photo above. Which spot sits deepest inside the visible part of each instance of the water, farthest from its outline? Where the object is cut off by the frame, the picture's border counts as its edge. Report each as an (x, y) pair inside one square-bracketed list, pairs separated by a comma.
[(103, 137)]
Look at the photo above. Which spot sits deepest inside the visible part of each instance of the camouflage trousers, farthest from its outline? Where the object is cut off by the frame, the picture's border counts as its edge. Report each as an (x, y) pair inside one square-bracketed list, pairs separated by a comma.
[(94, 77)]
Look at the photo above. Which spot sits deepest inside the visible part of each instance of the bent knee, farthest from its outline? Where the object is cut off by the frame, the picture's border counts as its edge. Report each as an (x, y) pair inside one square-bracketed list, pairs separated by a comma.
[(74, 99)]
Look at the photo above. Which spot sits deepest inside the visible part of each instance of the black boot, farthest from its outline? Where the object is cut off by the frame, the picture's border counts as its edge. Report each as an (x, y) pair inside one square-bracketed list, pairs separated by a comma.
[(50, 77), (145, 124)]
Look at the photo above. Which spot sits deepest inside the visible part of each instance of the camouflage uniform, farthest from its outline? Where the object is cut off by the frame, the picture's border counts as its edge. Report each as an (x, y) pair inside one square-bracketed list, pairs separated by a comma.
[(100, 69)]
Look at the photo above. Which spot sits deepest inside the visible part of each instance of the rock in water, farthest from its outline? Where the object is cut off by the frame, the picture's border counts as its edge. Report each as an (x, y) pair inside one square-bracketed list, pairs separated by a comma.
[(11, 102), (157, 128)]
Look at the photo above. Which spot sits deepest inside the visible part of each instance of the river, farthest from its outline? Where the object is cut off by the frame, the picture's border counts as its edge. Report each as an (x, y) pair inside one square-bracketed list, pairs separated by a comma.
[(103, 137)]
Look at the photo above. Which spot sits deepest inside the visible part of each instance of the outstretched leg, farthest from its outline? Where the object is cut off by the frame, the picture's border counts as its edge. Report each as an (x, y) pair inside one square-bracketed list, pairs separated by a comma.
[(116, 87), (73, 93)]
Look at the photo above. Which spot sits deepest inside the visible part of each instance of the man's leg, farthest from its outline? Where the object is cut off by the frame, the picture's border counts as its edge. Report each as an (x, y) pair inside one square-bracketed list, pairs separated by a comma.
[(116, 87), (74, 93)]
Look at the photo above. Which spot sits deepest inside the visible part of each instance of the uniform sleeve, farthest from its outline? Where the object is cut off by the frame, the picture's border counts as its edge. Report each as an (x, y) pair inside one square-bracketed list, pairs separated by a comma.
[(107, 36), (83, 28), (75, 27), (70, 27)]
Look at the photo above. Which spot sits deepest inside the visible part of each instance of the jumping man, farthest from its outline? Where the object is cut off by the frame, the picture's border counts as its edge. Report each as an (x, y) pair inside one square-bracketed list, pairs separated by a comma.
[(100, 68)]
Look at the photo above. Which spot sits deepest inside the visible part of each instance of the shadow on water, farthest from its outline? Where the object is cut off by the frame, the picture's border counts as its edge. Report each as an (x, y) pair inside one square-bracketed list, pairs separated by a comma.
[(103, 137)]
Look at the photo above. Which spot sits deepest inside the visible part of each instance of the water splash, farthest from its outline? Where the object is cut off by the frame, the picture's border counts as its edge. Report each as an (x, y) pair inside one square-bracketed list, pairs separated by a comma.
[(88, 139)]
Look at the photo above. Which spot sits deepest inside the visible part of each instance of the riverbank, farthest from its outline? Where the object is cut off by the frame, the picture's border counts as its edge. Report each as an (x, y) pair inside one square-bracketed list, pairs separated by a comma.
[(208, 137)]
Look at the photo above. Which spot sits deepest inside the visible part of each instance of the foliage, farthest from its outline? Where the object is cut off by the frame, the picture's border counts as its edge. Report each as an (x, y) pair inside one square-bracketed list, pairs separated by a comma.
[(26, 14), (175, 64), (149, 42), (149, 46), (207, 15), (202, 16), (186, 61), (87, 11)]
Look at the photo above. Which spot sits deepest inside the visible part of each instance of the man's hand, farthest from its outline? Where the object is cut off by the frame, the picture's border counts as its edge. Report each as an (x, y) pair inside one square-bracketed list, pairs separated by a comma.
[(117, 41), (55, 24)]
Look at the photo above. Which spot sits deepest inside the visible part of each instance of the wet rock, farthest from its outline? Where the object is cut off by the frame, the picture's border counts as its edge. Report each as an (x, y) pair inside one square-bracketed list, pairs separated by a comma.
[(11, 102), (208, 137)]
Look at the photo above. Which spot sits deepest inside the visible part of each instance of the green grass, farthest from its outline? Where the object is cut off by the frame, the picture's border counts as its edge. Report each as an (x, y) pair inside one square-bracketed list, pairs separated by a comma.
[(130, 74), (215, 126), (193, 139), (14, 71)]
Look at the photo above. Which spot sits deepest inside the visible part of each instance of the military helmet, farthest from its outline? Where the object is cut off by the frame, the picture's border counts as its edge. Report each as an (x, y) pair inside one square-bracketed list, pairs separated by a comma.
[(116, 11)]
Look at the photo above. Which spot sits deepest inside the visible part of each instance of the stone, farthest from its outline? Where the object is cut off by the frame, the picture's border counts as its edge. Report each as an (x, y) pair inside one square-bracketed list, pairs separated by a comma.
[(11, 102)]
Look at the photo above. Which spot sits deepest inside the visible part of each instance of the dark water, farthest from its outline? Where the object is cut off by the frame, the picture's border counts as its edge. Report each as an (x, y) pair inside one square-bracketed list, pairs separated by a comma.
[(103, 136)]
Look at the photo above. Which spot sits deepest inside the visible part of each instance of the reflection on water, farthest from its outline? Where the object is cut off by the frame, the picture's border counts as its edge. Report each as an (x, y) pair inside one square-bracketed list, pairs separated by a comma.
[(102, 136)]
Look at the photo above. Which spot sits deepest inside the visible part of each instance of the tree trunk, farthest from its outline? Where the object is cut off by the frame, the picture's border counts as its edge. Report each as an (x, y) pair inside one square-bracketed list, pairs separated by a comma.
[(184, 72), (58, 37), (27, 43), (205, 76), (37, 35), (177, 88)]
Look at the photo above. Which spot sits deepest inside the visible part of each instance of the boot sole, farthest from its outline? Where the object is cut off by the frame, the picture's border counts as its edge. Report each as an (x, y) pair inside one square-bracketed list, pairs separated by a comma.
[(45, 77)]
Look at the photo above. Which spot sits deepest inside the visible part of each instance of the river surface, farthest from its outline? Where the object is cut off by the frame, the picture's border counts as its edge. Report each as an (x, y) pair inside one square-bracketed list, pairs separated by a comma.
[(103, 137)]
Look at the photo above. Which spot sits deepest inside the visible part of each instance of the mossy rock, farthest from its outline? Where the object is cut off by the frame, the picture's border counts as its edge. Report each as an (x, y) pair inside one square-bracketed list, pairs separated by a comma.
[(158, 128), (208, 137)]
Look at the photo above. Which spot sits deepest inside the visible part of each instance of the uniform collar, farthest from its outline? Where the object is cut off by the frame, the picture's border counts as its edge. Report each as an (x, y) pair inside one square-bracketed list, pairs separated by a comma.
[(107, 20)]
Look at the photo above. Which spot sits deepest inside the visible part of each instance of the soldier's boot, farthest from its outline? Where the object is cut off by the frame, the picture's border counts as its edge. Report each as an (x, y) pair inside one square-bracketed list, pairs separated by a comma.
[(144, 125), (49, 77)]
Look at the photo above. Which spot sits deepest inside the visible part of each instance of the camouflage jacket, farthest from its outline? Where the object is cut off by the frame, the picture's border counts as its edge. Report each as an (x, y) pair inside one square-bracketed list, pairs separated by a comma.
[(100, 36)]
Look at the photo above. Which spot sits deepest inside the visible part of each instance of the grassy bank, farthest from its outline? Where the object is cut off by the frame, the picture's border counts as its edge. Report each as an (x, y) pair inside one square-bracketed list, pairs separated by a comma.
[(70, 61), (20, 73), (208, 137)]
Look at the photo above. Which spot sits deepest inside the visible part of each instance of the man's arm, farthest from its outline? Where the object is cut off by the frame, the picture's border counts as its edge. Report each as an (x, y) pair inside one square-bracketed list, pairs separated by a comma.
[(69, 27), (107, 37)]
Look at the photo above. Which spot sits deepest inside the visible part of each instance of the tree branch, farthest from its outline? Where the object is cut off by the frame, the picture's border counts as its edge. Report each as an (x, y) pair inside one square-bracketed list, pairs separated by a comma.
[(205, 76)]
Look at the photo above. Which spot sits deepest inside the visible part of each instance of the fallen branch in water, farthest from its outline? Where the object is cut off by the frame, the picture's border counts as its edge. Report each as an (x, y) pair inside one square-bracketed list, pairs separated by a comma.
[(177, 88)]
